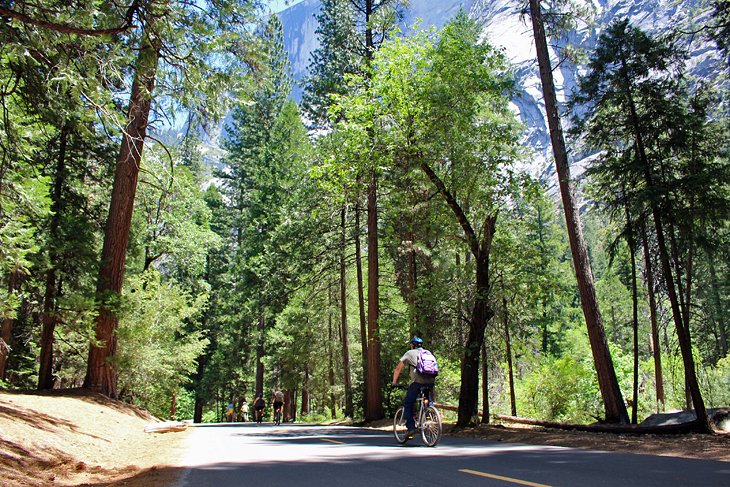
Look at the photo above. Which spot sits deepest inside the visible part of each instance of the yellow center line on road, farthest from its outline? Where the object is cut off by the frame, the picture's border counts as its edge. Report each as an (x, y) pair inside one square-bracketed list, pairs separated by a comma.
[(333, 441), (499, 477)]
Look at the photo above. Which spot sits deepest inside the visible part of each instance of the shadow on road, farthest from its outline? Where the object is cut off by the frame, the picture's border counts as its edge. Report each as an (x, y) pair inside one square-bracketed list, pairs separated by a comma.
[(300, 455)]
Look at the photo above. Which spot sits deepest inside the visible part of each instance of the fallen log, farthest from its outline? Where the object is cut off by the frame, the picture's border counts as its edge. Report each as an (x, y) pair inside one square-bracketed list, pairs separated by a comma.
[(165, 427), (671, 429)]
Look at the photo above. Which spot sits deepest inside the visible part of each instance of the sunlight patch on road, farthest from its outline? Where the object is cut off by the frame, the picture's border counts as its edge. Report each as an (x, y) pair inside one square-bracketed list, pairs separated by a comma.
[(499, 477)]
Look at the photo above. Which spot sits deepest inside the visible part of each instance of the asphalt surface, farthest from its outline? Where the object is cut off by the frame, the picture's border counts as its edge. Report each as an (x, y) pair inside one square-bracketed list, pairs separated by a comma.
[(300, 455)]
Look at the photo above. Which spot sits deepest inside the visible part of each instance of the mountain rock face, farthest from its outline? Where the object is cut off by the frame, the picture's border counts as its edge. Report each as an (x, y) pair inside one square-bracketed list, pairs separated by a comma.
[(505, 26)]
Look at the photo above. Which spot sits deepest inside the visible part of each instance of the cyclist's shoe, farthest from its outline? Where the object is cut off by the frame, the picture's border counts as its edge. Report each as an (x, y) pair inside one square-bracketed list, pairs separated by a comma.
[(410, 434)]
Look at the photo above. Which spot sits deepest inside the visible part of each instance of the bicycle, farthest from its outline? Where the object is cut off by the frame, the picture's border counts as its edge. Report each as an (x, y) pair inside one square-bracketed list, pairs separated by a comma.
[(277, 416), (428, 420)]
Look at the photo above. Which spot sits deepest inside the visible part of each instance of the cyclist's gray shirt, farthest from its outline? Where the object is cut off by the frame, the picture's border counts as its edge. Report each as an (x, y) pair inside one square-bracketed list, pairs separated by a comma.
[(410, 358)]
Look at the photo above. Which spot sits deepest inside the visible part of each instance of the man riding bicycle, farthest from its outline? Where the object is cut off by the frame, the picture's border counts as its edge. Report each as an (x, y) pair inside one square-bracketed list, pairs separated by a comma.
[(258, 406), (410, 359), (278, 400)]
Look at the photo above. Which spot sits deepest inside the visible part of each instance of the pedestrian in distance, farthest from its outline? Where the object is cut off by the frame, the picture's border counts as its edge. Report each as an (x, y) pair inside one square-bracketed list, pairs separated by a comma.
[(244, 411), (230, 412)]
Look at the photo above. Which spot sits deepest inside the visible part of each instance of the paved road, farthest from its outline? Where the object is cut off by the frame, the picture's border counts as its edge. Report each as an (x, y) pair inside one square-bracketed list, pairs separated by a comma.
[(298, 455)]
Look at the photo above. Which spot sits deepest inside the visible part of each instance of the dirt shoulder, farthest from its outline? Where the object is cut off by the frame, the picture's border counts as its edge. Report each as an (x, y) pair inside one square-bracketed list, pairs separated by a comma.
[(79, 438), (705, 447)]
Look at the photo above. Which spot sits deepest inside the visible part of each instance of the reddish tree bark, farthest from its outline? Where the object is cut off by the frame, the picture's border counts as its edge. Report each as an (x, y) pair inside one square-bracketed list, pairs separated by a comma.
[(374, 408), (6, 332), (361, 304), (100, 374), (349, 406), (614, 405)]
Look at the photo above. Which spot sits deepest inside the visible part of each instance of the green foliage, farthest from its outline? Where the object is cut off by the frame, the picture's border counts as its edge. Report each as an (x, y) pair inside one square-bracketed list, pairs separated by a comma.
[(560, 389), (156, 351), (716, 381)]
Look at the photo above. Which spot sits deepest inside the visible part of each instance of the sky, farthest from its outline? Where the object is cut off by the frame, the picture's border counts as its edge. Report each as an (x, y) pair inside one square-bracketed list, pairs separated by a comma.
[(279, 5)]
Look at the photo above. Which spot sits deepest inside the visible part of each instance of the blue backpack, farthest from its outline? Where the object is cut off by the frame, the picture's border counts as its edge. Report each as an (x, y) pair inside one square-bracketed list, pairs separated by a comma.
[(426, 363)]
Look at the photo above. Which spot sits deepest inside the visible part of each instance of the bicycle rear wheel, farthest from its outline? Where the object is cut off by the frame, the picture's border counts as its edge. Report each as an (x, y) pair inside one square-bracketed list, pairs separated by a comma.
[(431, 428), (399, 426)]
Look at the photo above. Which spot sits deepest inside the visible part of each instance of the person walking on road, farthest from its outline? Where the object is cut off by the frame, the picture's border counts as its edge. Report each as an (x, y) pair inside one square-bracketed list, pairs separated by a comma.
[(244, 411)]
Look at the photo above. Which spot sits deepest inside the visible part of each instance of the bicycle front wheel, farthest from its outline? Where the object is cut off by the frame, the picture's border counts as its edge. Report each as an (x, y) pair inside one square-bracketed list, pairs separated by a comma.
[(431, 428), (399, 426)]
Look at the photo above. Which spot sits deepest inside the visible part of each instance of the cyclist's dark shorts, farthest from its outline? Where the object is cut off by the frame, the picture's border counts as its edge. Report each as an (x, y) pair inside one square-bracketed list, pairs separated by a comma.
[(278, 405)]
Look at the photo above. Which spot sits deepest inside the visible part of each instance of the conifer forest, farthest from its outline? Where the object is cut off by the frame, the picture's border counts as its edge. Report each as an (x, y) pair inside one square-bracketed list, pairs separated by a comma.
[(178, 231)]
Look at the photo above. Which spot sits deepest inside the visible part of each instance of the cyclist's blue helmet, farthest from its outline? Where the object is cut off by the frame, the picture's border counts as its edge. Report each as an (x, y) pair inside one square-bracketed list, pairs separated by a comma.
[(417, 341)]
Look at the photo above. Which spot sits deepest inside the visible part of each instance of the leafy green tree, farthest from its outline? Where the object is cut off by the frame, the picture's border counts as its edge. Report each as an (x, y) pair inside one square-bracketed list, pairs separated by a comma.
[(441, 107), (157, 352)]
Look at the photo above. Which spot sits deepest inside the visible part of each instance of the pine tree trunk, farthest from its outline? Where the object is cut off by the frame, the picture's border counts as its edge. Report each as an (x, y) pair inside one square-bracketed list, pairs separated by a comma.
[(45, 366), (305, 393), (260, 353), (374, 409), (683, 335), (331, 367), (608, 382), (635, 327), (485, 384), (6, 332), (361, 307), (198, 412), (349, 407), (634, 309), (374, 396), (101, 375), (412, 283), (173, 406), (718, 312), (510, 371), (656, 348)]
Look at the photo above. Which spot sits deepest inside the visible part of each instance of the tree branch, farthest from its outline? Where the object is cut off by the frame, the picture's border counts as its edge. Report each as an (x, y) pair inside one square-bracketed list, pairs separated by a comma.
[(69, 29), (471, 236)]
